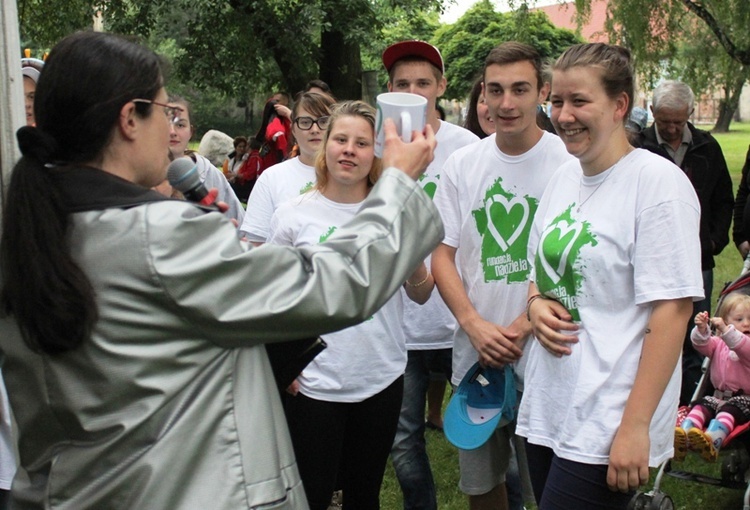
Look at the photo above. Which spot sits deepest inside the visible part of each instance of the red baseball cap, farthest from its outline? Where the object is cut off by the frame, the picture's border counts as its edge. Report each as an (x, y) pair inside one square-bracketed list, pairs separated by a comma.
[(396, 52)]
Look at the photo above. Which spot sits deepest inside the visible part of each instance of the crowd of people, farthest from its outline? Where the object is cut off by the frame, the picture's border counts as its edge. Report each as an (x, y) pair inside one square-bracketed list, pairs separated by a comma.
[(135, 323)]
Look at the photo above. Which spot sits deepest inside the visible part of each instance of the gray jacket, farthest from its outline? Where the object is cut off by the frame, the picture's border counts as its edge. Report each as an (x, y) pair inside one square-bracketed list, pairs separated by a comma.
[(171, 404)]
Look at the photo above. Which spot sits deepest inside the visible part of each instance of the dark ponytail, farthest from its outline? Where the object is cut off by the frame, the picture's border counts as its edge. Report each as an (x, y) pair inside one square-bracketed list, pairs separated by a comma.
[(43, 287), (86, 81), (269, 112)]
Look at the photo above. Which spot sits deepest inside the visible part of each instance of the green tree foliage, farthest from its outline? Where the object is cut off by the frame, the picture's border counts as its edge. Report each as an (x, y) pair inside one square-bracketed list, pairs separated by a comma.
[(702, 62), (401, 26), (240, 46), (244, 49), (466, 43), (45, 22), (706, 43)]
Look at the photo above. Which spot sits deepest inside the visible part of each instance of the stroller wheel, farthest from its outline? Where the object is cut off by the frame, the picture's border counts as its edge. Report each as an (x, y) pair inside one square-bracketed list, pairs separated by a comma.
[(733, 467), (651, 501), (640, 501), (661, 502)]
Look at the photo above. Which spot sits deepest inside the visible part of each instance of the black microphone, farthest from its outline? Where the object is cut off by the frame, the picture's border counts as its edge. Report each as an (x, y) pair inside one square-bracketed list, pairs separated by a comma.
[(183, 175)]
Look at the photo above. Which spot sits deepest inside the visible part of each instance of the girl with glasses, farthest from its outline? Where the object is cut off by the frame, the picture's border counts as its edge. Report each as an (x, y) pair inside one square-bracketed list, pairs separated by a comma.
[(293, 176)]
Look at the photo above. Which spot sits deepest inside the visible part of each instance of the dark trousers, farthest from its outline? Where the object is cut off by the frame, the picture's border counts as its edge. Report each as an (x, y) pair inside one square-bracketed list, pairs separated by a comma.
[(243, 189), (561, 484), (346, 443)]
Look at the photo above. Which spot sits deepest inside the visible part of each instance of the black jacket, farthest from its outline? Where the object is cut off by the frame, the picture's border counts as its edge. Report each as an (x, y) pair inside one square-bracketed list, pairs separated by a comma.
[(741, 228), (706, 168)]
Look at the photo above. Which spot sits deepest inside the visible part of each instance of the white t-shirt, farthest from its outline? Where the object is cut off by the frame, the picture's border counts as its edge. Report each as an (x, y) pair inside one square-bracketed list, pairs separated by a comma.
[(362, 360), (431, 325), (481, 182), (634, 241), (212, 177), (276, 185), (234, 164)]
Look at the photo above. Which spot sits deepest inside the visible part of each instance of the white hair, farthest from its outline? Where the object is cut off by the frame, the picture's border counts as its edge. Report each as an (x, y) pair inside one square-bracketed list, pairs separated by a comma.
[(673, 95)]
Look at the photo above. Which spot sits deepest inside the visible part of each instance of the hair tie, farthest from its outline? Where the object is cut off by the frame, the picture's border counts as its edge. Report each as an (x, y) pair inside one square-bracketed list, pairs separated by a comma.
[(36, 144)]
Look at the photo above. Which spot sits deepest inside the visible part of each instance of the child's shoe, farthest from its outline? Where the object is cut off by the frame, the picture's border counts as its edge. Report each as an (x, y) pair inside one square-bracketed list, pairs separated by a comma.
[(702, 443), (681, 444), (718, 432)]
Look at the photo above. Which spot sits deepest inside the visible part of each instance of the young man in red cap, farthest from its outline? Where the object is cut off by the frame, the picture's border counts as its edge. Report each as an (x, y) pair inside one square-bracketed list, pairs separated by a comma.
[(416, 67)]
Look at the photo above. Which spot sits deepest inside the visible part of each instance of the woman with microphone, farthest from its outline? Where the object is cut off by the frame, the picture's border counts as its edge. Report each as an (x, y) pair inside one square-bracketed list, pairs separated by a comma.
[(133, 325)]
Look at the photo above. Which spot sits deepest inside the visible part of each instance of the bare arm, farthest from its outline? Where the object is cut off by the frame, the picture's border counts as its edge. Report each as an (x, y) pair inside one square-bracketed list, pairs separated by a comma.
[(495, 344), (420, 284), (550, 320), (662, 345)]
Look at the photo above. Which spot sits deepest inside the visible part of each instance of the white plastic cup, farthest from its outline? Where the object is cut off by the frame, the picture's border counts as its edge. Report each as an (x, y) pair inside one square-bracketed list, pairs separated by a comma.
[(408, 111)]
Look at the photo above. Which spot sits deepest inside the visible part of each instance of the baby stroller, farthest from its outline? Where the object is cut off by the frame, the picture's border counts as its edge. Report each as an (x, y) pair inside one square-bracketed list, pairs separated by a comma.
[(735, 451)]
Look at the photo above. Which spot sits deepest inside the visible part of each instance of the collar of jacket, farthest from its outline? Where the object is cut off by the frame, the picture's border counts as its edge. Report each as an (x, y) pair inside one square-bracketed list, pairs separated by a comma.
[(90, 189), (700, 137)]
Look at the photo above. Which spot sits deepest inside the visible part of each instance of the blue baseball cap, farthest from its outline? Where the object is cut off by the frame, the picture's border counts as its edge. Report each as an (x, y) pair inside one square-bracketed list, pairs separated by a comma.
[(485, 397)]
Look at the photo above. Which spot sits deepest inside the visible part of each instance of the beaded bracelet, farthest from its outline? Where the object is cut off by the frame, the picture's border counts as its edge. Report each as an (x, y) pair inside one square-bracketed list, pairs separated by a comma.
[(419, 284)]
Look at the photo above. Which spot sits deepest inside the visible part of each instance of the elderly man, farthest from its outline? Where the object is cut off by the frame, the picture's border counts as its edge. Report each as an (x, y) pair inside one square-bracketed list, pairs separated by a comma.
[(700, 157)]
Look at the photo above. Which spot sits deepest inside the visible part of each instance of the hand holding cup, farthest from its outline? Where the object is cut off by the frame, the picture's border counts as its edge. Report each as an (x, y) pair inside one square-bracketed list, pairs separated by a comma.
[(408, 111), (412, 158)]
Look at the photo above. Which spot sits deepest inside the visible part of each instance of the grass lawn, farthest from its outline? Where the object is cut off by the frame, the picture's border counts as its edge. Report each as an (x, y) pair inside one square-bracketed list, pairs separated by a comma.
[(686, 495), (735, 146)]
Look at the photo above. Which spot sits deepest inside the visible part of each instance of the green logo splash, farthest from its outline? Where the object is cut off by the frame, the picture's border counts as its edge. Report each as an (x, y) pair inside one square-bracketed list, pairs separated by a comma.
[(429, 184), (327, 234), (558, 264), (307, 187), (504, 223)]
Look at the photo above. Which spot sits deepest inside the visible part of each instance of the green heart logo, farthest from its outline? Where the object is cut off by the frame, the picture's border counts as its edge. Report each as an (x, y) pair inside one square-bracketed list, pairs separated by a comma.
[(505, 219), (557, 241)]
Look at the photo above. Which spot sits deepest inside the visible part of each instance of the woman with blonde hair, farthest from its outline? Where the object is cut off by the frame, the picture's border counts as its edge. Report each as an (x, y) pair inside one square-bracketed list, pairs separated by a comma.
[(344, 414)]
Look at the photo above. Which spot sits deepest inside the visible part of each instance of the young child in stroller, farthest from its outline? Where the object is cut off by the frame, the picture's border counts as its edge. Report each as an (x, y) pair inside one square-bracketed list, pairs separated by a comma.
[(729, 369)]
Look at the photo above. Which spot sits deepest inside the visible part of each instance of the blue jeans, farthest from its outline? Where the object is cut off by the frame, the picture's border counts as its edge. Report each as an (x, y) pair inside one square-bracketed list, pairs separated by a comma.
[(409, 452)]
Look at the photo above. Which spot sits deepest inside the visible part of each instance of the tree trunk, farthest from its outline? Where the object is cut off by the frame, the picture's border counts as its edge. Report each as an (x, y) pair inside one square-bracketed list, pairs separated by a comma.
[(294, 79), (728, 106), (726, 112), (341, 65)]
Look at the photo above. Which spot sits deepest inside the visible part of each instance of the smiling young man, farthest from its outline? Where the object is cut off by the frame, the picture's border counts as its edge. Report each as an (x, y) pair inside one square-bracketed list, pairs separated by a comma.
[(488, 195), (416, 67)]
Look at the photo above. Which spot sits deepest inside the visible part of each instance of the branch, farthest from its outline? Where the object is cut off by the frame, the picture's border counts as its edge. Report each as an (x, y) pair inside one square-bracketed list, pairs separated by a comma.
[(741, 56)]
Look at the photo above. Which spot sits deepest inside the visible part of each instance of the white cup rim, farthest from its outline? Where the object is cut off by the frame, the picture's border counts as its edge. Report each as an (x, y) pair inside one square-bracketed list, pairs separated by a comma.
[(401, 99)]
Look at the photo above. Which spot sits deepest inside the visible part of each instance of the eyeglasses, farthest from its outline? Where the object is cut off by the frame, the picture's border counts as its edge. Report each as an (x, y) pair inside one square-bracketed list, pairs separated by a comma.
[(306, 123), (172, 112)]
